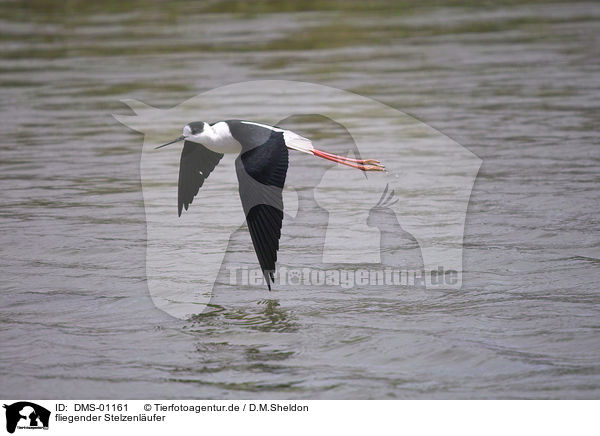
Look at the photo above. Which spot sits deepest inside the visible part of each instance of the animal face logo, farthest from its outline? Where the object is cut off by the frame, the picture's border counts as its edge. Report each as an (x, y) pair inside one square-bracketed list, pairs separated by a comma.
[(24, 414), (423, 196), (383, 213)]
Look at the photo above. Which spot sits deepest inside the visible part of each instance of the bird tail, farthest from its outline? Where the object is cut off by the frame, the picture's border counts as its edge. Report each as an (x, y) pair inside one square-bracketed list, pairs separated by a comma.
[(297, 142)]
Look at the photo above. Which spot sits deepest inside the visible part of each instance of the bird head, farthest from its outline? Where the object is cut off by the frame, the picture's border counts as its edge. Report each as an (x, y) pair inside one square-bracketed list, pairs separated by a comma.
[(194, 131)]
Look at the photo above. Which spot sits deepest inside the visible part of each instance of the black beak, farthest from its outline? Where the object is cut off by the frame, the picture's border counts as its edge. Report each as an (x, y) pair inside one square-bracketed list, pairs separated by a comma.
[(181, 138)]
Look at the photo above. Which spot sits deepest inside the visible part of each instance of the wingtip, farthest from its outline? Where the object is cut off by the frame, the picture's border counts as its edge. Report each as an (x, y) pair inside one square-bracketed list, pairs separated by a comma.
[(269, 278)]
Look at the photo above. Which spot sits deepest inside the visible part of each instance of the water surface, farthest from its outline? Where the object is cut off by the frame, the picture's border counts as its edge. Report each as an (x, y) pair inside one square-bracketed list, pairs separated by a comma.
[(517, 84)]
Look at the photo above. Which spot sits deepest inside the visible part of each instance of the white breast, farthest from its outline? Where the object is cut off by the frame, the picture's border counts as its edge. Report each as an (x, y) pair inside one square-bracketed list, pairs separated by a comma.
[(220, 140)]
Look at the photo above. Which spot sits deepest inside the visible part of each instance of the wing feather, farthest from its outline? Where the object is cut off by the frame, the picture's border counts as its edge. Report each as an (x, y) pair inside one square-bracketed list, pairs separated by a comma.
[(261, 174), (196, 164)]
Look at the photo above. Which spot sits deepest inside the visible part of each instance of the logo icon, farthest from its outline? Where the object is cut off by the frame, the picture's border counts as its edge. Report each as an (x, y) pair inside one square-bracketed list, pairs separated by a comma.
[(26, 415), (429, 174)]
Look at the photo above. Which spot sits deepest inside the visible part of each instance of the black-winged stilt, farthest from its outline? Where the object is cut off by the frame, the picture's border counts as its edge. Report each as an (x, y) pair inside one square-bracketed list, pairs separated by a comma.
[(261, 168)]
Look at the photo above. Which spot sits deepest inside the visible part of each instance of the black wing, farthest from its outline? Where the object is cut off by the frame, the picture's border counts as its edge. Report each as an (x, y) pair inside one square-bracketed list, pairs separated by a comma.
[(261, 174), (197, 162)]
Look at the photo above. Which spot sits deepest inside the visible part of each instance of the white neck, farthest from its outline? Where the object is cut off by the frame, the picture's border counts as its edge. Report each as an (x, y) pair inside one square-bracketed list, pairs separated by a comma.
[(218, 138)]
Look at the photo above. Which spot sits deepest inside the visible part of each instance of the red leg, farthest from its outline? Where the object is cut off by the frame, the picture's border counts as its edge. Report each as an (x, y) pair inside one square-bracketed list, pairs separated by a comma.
[(359, 164), (360, 161)]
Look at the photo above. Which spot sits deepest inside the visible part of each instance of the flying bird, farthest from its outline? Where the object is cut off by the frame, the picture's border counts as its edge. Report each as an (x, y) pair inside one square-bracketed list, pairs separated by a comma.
[(261, 168)]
